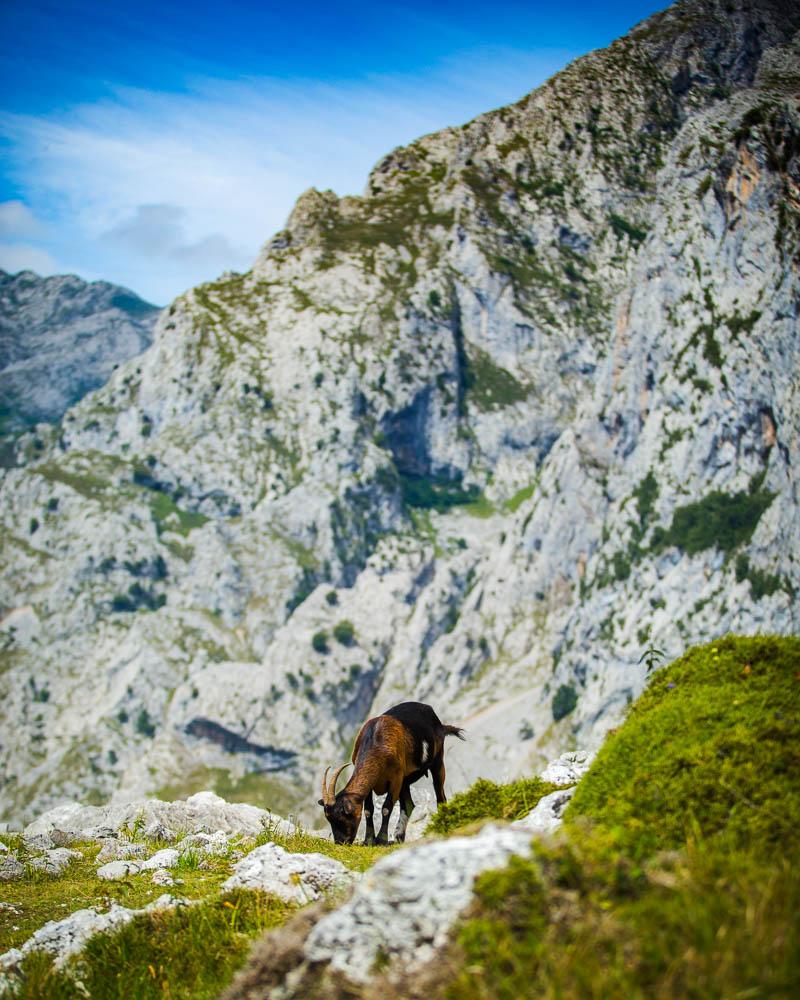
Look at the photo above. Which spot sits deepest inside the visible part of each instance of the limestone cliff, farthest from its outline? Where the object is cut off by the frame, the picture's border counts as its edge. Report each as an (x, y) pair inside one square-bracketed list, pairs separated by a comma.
[(475, 438)]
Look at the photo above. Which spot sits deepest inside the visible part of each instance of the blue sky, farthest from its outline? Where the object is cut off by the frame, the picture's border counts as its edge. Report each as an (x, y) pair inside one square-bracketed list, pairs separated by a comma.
[(159, 144)]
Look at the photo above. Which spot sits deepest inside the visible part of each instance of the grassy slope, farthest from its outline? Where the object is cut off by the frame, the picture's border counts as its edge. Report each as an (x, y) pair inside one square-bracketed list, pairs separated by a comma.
[(677, 873), (192, 952), (679, 870)]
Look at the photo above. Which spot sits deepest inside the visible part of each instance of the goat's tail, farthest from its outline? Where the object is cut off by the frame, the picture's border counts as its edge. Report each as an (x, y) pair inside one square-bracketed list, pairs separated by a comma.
[(454, 731)]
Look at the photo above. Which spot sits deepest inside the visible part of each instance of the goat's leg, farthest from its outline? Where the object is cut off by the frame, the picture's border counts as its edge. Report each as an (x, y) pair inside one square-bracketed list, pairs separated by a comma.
[(437, 773), (392, 795), (369, 832), (406, 808)]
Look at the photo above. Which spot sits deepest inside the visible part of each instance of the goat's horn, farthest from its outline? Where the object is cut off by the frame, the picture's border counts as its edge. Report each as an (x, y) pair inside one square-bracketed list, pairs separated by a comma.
[(336, 778), (327, 800)]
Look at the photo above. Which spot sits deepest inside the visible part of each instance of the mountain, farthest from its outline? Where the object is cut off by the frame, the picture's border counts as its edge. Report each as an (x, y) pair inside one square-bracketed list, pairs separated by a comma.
[(61, 337), (477, 437)]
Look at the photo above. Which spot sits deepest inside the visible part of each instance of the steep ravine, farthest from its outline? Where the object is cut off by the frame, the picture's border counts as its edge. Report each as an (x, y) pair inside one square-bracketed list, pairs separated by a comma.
[(527, 405)]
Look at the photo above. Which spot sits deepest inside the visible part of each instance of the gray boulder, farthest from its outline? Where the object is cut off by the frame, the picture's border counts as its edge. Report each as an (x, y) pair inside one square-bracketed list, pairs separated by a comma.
[(295, 878)]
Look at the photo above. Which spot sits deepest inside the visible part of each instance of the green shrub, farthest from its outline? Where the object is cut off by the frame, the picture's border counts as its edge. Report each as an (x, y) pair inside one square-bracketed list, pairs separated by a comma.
[(143, 724), (486, 800), (430, 493), (344, 632), (719, 519), (319, 641), (564, 701)]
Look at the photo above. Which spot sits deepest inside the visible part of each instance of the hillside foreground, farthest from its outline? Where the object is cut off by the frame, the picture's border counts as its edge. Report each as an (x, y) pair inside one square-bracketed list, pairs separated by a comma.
[(675, 873)]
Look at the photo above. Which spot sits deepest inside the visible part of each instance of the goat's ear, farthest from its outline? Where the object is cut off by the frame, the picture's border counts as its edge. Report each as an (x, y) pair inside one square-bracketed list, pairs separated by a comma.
[(320, 802)]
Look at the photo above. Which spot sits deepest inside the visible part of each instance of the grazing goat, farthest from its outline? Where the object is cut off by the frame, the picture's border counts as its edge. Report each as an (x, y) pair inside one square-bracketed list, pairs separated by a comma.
[(392, 751)]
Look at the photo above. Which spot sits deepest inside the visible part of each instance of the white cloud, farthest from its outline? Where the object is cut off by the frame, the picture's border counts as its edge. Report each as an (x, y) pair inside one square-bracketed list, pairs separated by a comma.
[(203, 178), (17, 220), (23, 257)]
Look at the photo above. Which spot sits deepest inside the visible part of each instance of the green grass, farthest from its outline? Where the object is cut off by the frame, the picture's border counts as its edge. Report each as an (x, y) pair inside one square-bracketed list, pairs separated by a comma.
[(39, 898), (678, 870), (191, 952), (486, 800), (489, 386)]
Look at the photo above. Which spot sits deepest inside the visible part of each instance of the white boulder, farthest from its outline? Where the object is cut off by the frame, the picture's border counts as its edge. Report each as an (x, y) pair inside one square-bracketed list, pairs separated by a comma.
[(547, 815), (407, 902), (295, 878)]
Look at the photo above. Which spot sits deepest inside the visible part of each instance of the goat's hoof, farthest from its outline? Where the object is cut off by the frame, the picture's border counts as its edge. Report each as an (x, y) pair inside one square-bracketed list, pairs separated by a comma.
[(368, 843)]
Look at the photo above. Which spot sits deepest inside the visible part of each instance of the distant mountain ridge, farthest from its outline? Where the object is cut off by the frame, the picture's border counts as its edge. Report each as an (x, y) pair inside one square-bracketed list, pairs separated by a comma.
[(475, 438), (61, 337)]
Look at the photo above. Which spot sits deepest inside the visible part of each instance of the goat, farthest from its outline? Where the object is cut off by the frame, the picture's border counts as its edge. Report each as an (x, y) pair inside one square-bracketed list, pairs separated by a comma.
[(391, 752)]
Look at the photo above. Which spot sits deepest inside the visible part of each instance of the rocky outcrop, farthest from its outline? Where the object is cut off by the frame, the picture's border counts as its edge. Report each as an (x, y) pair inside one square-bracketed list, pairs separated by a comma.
[(60, 338), (526, 406), (203, 813), (294, 878), (64, 938)]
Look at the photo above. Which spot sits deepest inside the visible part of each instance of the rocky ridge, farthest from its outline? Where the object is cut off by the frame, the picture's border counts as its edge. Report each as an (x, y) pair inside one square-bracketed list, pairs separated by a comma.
[(61, 337), (476, 437)]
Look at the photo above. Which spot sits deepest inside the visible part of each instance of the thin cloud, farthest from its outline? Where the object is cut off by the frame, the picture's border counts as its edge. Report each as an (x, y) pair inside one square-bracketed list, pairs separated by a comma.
[(18, 221), (204, 177)]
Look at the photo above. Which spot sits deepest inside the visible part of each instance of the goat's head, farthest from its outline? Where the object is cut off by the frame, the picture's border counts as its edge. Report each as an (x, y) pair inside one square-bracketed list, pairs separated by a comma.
[(342, 811)]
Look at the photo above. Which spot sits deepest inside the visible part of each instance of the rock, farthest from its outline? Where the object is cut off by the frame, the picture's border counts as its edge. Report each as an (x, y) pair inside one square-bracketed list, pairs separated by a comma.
[(569, 768), (64, 938), (11, 868), (216, 843), (38, 842), (162, 877), (3, 848), (167, 858), (547, 815), (55, 861), (295, 878), (201, 813), (119, 850), (116, 870), (407, 902)]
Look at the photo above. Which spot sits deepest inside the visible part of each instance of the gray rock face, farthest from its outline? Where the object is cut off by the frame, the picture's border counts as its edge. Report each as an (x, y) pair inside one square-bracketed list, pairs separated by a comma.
[(526, 406), (407, 902), (295, 878), (60, 338)]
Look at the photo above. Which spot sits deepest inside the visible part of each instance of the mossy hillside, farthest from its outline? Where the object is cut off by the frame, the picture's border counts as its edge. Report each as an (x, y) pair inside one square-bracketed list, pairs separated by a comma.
[(677, 874), (711, 748), (487, 800)]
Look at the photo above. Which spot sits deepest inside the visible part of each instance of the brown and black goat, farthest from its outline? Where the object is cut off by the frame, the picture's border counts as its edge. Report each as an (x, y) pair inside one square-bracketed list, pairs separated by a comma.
[(392, 751)]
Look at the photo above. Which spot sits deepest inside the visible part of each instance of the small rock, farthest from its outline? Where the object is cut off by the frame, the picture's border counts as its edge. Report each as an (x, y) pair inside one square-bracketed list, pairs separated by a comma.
[(120, 850), (54, 862), (162, 877), (569, 768), (3, 848), (167, 858), (158, 831), (295, 878), (116, 870), (11, 868), (38, 843), (547, 814)]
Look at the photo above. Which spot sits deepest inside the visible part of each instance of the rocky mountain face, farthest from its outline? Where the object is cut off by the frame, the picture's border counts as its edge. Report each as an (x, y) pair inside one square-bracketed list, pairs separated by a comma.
[(475, 438), (60, 338)]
